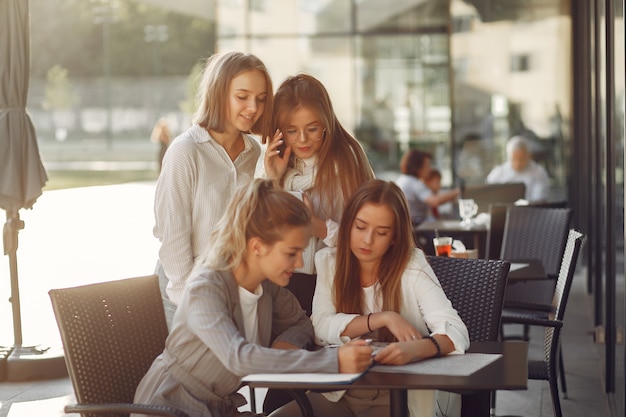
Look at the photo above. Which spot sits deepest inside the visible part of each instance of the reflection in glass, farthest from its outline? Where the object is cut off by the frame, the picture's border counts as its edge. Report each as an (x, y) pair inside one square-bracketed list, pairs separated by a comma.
[(512, 75)]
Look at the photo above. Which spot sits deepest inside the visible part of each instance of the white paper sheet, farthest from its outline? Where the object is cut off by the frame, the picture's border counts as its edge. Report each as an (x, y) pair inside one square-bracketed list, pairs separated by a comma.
[(454, 365), (322, 378)]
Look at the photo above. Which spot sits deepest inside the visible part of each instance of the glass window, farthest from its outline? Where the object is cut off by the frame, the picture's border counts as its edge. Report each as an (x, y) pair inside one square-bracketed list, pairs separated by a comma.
[(501, 90), (102, 73), (284, 17), (404, 98), (403, 16)]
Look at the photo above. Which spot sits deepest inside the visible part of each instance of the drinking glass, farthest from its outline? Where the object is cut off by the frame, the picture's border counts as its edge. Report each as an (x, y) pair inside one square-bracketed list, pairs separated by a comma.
[(443, 245), (467, 209)]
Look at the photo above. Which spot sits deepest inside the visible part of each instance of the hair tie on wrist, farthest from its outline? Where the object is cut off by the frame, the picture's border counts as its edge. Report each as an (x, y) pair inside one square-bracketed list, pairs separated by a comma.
[(368, 323), (432, 339)]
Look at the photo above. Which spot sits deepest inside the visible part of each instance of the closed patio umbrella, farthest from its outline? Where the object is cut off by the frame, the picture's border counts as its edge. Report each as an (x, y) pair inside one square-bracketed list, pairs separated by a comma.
[(22, 174)]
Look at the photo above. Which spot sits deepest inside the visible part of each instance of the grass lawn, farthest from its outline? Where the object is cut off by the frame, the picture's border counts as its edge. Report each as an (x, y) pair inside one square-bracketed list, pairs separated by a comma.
[(72, 178)]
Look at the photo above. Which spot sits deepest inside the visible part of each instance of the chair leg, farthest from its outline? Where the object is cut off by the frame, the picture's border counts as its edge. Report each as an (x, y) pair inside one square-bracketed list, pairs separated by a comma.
[(252, 400), (562, 373), (492, 410), (554, 392)]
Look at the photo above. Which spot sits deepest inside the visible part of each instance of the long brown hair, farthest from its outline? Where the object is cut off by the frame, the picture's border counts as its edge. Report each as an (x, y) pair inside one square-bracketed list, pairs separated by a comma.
[(341, 162), (347, 288)]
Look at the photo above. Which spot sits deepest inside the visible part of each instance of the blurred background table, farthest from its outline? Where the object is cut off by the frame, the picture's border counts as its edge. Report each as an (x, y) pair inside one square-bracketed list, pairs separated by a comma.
[(473, 236)]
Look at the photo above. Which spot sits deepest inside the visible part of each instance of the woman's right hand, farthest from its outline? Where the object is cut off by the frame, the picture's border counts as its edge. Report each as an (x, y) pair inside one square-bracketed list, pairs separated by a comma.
[(275, 164), (354, 357)]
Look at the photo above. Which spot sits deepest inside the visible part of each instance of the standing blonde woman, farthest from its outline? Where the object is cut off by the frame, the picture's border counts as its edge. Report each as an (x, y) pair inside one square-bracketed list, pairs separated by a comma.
[(204, 165)]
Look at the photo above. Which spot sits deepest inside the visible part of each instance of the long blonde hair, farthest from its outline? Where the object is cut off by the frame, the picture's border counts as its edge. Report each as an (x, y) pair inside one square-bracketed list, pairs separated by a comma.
[(341, 162), (219, 70), (259, 209), (348, 295)]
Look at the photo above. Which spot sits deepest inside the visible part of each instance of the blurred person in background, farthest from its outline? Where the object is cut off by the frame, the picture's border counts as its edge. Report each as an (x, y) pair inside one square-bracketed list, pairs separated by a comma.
[(415, 167), (162, 136), (520, 167)]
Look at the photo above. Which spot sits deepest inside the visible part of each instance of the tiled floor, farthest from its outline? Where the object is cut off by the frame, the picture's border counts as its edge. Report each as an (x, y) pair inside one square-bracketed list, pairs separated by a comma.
[(78, 236)]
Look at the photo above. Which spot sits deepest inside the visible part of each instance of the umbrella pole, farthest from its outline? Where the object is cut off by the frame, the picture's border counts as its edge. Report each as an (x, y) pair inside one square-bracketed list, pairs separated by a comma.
[(24, 363), (11, 229)]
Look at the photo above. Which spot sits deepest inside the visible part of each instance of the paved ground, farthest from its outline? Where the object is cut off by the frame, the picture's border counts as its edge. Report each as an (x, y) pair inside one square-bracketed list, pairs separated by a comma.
[(85, 235)]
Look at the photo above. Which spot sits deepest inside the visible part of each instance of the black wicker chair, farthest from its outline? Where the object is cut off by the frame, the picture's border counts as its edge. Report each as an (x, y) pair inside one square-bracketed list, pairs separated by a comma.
[(549, 368), (534, 233), (111, 333), (476, 289)]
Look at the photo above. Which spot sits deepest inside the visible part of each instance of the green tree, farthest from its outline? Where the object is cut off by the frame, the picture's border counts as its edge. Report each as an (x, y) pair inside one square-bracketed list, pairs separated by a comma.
[(73, 34), (58, 93), (190, 104)]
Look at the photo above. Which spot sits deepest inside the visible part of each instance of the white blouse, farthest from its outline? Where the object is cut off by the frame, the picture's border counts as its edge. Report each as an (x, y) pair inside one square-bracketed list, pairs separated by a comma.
[(424, 303), (192, 192)]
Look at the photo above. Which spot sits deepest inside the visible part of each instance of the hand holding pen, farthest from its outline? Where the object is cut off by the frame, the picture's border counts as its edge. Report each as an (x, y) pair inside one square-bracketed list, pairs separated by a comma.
[(355, 356)]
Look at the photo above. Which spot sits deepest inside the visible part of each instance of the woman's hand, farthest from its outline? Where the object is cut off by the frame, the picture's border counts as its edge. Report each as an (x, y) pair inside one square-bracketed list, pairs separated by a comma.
[(318, 225), (275, 164), (399, 353), (354, 357), (397, 325)]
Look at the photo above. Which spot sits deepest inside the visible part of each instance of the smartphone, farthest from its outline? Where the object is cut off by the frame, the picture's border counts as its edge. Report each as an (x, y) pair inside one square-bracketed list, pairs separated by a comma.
[(281, 149)]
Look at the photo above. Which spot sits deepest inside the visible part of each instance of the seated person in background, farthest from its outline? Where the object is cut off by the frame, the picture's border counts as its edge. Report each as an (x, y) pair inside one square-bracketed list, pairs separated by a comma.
[(415, 167), (236, 317), (433, 181), (377, 284), (519, 167)]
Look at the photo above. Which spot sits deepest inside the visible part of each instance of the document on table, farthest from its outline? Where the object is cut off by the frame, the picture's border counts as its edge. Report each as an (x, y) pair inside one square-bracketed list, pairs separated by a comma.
[(453, 365), (321, 378), (515, 266)]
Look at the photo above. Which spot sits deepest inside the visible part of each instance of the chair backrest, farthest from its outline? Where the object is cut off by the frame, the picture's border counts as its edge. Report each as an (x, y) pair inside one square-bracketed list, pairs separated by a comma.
[(575, 240), (564, 282), (486, 194), (495, 233), (111, 334), (536, 233), (476, 289)]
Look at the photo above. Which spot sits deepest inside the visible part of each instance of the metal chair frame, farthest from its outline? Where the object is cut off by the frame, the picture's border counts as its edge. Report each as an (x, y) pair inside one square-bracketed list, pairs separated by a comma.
[(547, 368)]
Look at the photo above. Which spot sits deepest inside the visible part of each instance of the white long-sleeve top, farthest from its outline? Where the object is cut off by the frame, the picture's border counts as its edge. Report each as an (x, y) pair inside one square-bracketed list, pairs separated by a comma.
[(192, 192), (424, 305), (301, 178)]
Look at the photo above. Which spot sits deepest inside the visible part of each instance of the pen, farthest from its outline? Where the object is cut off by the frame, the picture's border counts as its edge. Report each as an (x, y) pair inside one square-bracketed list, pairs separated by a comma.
[(368, 342)]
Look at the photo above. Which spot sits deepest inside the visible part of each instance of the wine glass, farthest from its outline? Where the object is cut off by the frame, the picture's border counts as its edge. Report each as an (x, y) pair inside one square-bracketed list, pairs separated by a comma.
[(467, 209)]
